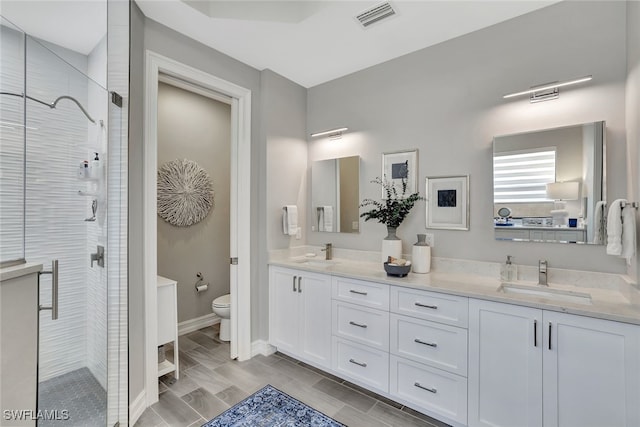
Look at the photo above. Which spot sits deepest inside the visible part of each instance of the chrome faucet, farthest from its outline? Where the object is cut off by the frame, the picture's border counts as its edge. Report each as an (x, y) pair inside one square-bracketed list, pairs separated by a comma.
[(328, 251), (542, 273)]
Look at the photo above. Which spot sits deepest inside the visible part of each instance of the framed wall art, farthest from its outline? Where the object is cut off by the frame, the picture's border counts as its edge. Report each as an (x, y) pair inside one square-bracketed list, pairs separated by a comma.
[(447, 202), (401, 165)]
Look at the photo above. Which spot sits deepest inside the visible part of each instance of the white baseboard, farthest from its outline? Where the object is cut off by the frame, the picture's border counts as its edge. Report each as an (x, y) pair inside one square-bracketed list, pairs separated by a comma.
[(262, 347), (136, 408), (197, 323)]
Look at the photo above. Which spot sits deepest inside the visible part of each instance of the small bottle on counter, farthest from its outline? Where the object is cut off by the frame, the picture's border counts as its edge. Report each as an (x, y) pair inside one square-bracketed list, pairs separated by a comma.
[(508, 271), (95, 167)]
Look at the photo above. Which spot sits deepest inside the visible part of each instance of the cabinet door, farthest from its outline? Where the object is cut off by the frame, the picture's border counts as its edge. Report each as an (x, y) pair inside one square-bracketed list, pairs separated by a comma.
[(591, 372), (284, 309), (315, 324), (505, 365)]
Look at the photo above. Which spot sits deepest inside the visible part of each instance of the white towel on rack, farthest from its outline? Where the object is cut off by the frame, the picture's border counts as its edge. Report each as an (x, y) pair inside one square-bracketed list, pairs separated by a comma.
[(614, 228), (598, 223), (327, 218), (628, 233), (290, 220)]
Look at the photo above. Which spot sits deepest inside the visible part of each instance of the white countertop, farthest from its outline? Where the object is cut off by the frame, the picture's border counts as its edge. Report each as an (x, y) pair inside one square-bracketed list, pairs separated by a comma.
[(19, 270), (614, 300)]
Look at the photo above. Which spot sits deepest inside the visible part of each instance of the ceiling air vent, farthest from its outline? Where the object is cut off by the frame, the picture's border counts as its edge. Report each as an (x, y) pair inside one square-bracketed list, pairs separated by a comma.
[(375, 14)]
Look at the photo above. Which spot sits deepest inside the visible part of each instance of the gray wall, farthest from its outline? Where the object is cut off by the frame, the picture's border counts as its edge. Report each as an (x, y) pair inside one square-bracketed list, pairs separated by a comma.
[(197, 128), (446, 101), (633, 116), (284, 138), (136, 239), (278, 118)]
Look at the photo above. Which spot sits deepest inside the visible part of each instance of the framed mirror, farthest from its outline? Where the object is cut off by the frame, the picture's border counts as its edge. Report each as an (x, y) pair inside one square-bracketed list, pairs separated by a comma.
[(548, 185), (335, 195)]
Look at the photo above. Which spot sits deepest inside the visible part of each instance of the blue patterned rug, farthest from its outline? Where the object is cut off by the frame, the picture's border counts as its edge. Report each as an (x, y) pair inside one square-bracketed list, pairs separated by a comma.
[(273, 408)]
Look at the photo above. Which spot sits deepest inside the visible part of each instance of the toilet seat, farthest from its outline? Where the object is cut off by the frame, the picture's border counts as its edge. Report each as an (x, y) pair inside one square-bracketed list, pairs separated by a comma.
[(222, 302)]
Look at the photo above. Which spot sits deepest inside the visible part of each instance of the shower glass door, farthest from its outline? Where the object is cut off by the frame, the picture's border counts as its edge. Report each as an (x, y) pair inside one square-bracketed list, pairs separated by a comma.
[(60, 201)]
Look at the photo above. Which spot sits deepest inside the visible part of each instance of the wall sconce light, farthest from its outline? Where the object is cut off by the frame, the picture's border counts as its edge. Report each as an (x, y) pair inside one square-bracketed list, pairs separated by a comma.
[(547, 91), (333, 133)]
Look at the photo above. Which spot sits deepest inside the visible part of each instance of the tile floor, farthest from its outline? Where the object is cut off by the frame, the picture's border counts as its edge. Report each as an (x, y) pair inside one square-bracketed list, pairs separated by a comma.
[(77, 392), (210, 383)]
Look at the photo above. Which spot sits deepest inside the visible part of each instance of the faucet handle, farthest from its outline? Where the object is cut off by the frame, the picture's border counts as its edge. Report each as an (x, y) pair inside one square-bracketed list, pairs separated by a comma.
[(542, 265)]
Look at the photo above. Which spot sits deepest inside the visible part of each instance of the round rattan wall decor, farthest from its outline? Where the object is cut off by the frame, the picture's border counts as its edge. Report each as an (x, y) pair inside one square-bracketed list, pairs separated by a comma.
[(185, 192)]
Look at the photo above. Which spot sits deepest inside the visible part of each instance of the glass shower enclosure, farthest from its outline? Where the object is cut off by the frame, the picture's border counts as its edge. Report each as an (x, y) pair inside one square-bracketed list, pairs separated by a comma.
[(59, 148)]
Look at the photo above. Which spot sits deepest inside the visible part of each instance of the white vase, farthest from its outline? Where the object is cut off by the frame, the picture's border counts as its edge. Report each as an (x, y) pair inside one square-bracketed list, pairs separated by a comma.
[(391, 245), (421, 255)]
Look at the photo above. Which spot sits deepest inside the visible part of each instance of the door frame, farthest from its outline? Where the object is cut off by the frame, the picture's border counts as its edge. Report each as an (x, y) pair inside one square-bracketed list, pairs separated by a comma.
[(240, 200)]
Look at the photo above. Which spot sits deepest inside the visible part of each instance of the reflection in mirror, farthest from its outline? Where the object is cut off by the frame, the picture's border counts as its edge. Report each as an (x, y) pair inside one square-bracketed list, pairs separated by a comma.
[(548, 185), (335, 195)]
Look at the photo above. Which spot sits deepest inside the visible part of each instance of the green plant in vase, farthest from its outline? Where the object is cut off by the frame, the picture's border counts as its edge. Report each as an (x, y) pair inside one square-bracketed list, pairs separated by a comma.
[(391, 211)]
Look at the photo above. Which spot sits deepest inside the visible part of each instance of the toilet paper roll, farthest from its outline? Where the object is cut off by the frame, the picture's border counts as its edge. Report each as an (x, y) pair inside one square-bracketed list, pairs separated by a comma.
[(202, 288)]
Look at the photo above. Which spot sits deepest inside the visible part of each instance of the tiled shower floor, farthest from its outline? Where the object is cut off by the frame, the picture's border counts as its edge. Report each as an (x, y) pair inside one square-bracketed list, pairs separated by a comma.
[(80, 394)]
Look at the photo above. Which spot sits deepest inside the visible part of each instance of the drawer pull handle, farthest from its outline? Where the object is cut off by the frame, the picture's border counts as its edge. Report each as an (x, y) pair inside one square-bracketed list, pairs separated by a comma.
[(359, 325), (294, 283), (430, 390), (357, 292), (433, 307), (355, 362), (430, 344)]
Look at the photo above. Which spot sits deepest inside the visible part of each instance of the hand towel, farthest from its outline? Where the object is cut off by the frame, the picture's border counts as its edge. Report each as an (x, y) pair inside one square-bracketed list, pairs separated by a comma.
[(290, 220), (320, 214), (628, 233), (328, 218), (614, 228), (598, 223)]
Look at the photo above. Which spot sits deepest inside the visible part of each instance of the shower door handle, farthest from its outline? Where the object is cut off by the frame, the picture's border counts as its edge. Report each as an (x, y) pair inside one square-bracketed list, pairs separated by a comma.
[(54, 290)]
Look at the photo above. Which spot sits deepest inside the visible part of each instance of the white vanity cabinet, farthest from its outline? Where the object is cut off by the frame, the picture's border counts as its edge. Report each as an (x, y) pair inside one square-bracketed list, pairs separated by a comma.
[(531, 367), (360, 330), (428, 345), (300, 314)]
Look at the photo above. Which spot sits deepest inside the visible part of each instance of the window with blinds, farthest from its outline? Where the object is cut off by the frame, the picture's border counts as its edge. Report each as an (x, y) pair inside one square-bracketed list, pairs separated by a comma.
[(521, 177)]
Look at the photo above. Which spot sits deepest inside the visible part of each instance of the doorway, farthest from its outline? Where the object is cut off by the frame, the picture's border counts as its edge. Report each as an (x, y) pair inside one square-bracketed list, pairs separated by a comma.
[(158, 68)]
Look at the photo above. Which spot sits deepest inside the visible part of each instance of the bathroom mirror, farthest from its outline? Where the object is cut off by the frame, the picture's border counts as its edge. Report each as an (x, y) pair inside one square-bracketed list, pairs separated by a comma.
[(335, 195), (551, 183)]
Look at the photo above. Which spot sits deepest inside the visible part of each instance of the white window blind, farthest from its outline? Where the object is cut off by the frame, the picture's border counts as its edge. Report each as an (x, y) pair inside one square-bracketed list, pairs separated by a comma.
[(521, 177)]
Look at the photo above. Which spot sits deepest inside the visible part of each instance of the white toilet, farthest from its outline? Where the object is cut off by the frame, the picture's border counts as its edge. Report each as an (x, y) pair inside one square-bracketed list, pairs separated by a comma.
[(221, 306)]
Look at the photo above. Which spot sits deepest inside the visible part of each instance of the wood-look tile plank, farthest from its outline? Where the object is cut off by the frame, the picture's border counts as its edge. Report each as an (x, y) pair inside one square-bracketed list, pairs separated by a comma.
[(300, 373), (238, 376), (208, 379), (232, 395), (185, 344), (424, 417), (174, 411), (315, 398), (205, 403), (180, 386), (202, 340), (186, 361), (150, 418), (395, 417), (354, 418), (206, 357), (348, 395)]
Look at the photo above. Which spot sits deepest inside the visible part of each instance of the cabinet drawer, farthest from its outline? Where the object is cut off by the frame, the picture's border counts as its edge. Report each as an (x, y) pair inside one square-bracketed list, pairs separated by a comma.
[(365, 325), (442, 308), (438, 345), (429, 388), (369, 294), (361, 364)]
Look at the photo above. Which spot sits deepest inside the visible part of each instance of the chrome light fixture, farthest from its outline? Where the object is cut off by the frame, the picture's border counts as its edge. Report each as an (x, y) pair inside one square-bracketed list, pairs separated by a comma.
[(333, 133), (547, 91)]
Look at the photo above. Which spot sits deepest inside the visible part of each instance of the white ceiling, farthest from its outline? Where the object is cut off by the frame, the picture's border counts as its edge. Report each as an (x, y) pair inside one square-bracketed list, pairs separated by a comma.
[(311, 42), (78, 25)]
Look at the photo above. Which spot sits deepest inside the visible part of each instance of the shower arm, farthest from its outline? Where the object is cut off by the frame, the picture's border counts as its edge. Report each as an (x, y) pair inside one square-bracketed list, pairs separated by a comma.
[(54, 103)]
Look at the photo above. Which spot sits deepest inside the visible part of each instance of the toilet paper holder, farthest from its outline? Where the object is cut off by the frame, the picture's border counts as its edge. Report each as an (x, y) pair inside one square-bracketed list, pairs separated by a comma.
[(200, 286)]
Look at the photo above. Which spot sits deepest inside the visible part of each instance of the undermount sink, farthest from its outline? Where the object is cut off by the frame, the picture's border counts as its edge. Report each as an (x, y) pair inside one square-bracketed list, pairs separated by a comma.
[(546, 292), (320, 262), (313, 262)]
